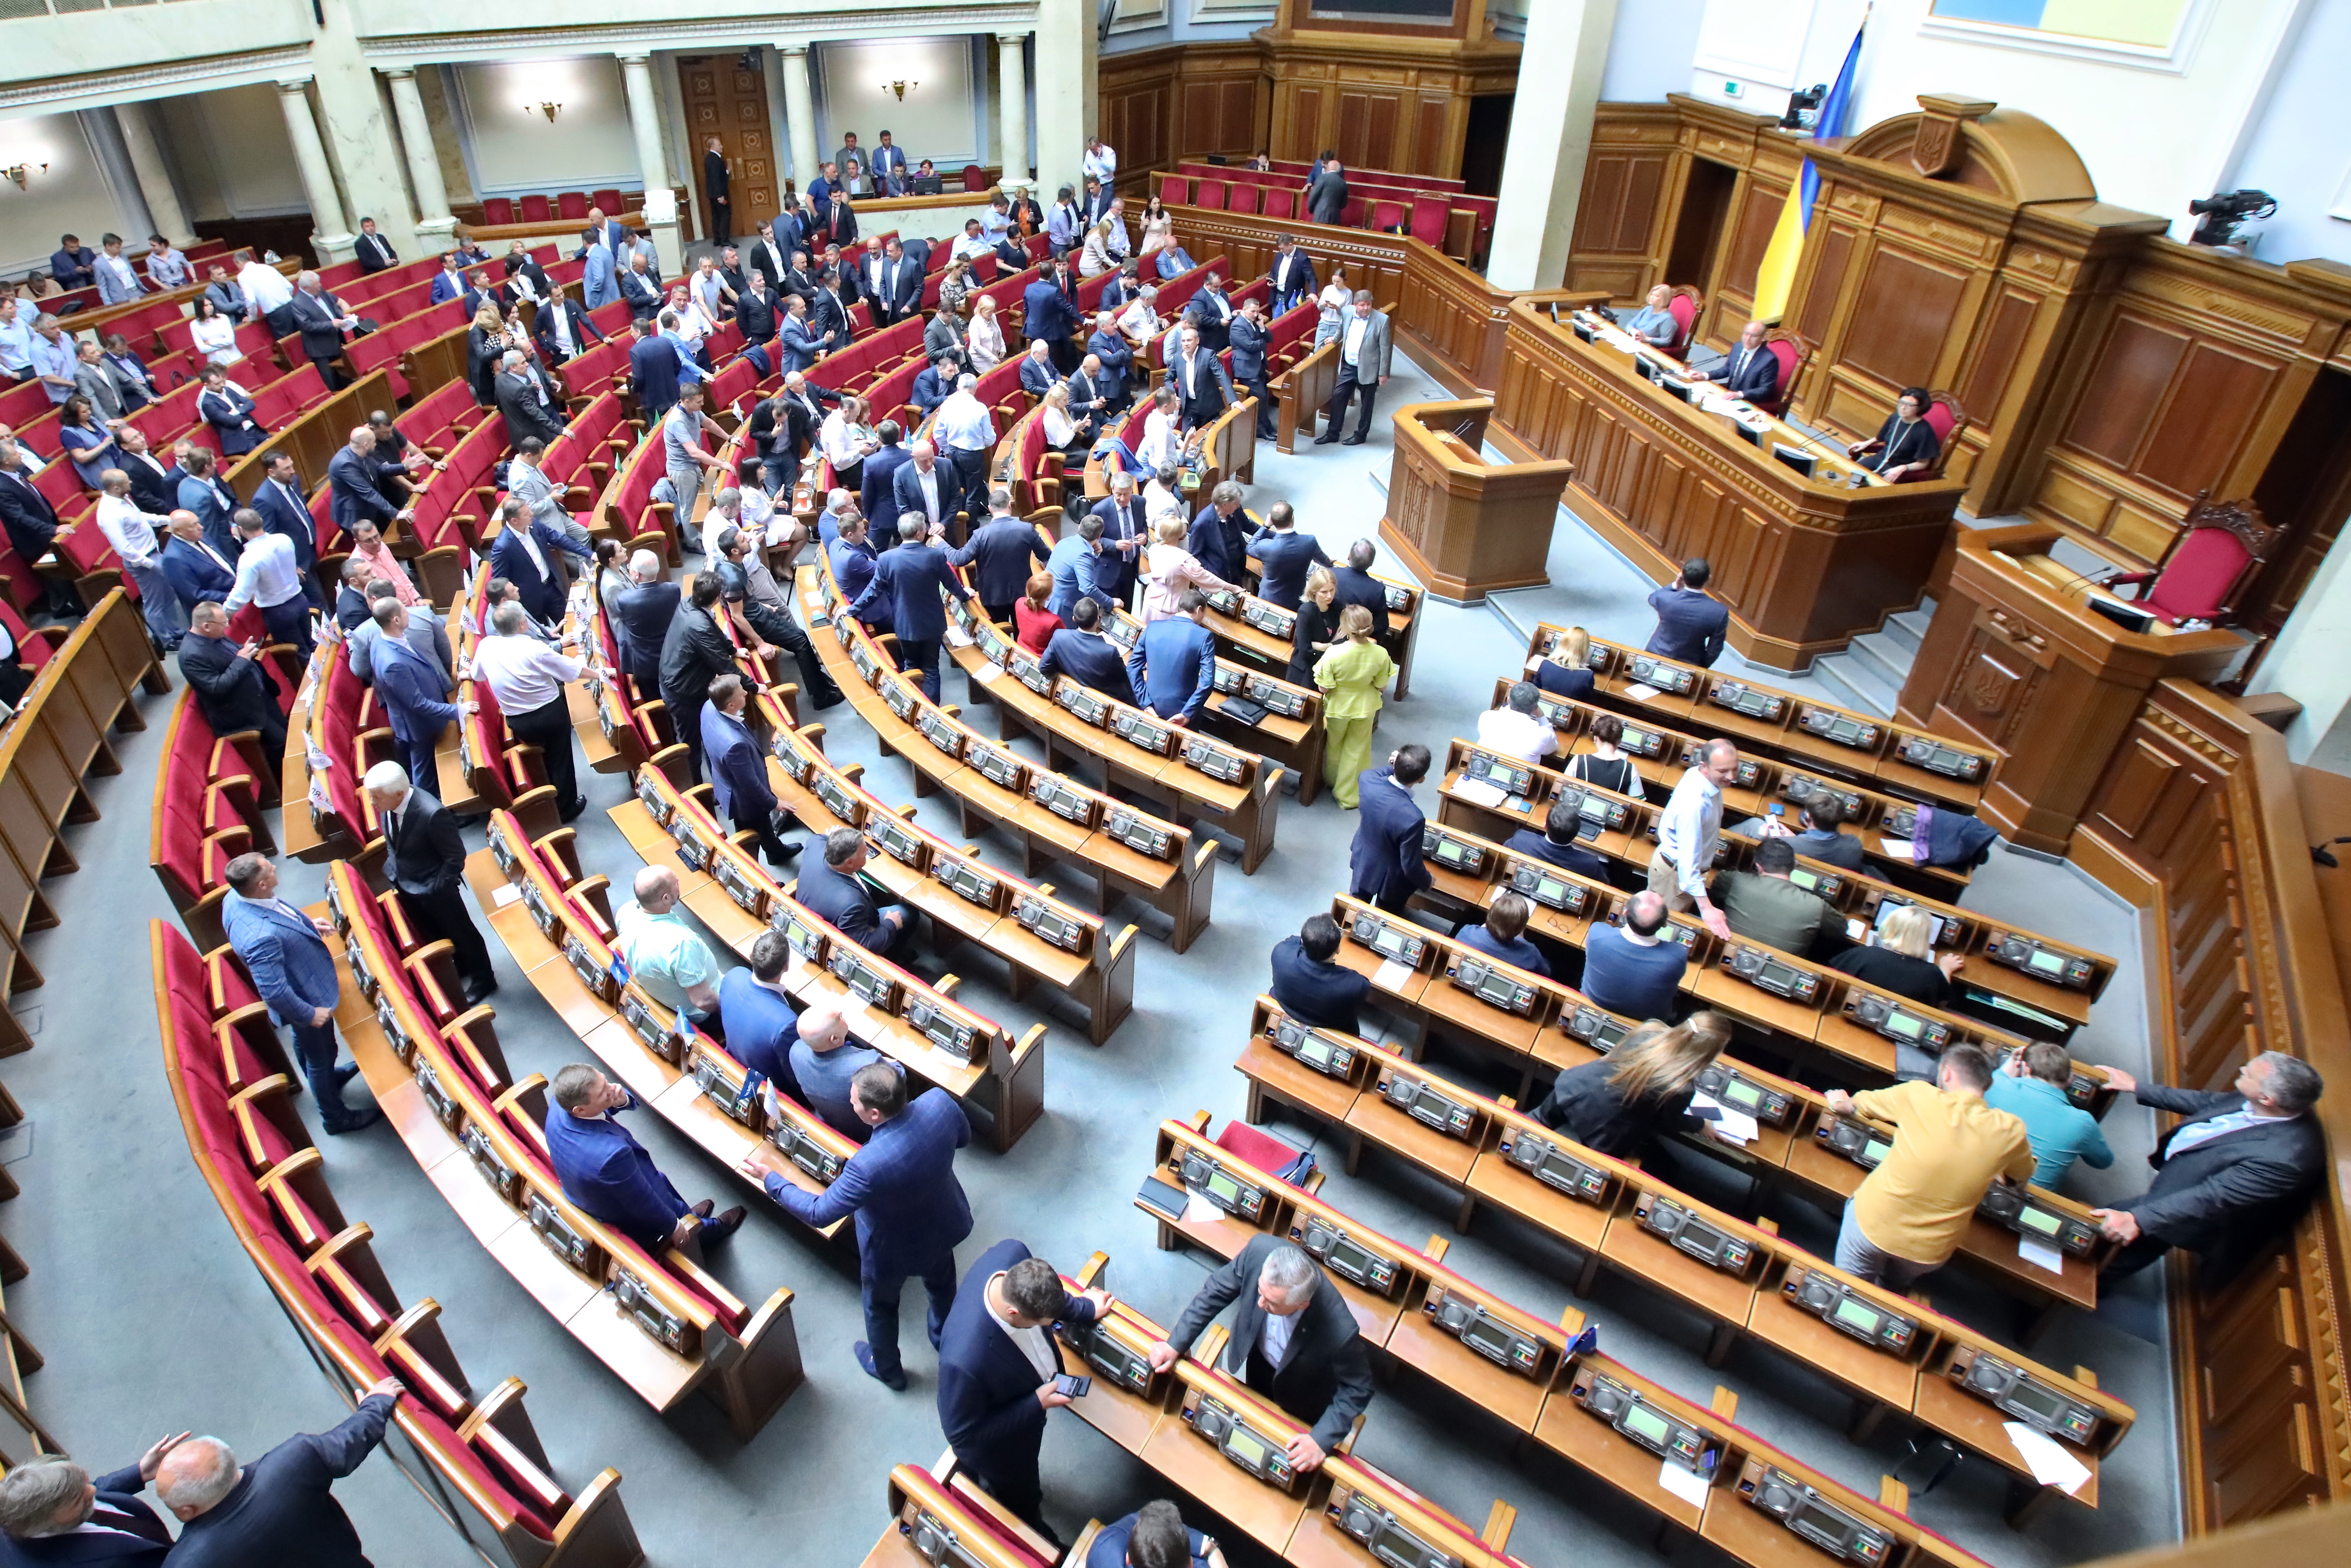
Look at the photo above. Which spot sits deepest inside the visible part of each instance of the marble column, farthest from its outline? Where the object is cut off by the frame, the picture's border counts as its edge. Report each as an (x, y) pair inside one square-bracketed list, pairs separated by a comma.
[(434, 220), (329, 230), (800, 113), (1012, 101), (1063, 31), (1551, 137), (140, 139), (644, 124)]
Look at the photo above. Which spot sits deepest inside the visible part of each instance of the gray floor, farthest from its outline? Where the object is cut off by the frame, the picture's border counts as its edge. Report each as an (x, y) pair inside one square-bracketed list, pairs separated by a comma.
[(152, 1321)]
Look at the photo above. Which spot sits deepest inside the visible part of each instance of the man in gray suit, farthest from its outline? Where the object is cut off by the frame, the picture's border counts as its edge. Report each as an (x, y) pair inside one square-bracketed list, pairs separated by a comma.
[(528, 483), (1362, 367), (425, 632), (1326, 194)]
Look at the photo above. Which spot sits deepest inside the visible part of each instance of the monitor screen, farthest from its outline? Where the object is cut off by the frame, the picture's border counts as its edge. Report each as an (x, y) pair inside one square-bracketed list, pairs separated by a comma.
[(1648, 1425), (1877, 1150), (1802, 462), (2044, 962), (2041, 1401), (1904, 1025), (1224, 1186), (2039, 1219), (1243, 1444), (1741, 1093), (1749, 434), (1857, 1314), (1825, 1520)]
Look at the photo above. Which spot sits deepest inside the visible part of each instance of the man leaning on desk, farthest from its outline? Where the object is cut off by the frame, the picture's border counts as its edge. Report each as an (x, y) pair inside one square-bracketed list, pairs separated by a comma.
[(1293, 1341)]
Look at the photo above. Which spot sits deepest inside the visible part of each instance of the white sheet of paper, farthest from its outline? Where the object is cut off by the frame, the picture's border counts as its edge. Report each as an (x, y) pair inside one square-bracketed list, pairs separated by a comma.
[(1686, 1484), (956, 637), (1736, 1125), (2039, 1254), (1391, 975), (858, 1014), (1639, 692), (988, 672), (1198, 1210), (2047, 1458), (1478, 792), (1533, 665), (1901, 849), (508, 894)]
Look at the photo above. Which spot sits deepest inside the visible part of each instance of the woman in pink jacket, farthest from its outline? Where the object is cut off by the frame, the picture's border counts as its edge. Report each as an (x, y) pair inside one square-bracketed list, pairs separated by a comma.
[(1168, 568)]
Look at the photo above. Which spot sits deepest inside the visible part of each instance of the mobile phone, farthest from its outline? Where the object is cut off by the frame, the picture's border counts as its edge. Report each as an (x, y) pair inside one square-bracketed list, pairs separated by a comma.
[(1776, 809), (1069, 1387)]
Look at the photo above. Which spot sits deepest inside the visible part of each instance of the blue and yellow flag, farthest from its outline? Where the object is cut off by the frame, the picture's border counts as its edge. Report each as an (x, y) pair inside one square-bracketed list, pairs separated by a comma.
[(1778, 271)]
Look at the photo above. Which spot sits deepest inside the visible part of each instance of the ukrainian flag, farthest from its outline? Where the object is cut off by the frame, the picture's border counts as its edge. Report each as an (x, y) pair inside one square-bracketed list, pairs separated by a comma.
[(1778, 271)]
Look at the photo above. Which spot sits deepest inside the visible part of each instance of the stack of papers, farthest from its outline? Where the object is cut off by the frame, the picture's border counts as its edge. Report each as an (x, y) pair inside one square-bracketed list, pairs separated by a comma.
[(1198, 1210), (956, 637), (1640, 693), (1737, 1125), (2047, 1458), (1477, 792), (1686, 1484), (1391, 975), (987, 672), (506, 895), (1901, 849), (2041, 1254)]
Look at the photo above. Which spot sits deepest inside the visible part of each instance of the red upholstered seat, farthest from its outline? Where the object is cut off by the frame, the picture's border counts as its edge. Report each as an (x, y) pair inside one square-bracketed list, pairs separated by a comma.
[(611, 200), (1428, 215), (1260, 1149), (1211, 195), (572, 205), (1683, 307), (1175, 188), (536, 210), (2222, 545), (1387, 217), (497, 211), (1280, 204), (975, 178)]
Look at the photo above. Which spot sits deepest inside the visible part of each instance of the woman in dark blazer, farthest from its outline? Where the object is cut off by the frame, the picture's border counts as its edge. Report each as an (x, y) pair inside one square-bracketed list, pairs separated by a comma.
[(1623, 1103), (486, 344), (1562, 672), (1317, 628), (1905, 445)]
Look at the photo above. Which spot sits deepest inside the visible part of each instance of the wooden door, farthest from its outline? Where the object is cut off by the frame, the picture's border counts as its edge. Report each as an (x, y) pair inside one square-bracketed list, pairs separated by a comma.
[(728, 99)]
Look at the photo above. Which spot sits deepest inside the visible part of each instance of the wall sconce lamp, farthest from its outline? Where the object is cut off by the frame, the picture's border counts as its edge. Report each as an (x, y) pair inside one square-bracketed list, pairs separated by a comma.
[(549, 109), (901, 87), (20, 172)]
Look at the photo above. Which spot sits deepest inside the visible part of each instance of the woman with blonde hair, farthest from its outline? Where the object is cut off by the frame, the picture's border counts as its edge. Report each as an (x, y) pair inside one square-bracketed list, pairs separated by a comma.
[(1069, 435), (486, 343), (955, 284), (1563, 672), (1096, 258), (1623, 1103), (984, 339), (1352, 675), (1168, 568), (1899, 957), (1317, 626)]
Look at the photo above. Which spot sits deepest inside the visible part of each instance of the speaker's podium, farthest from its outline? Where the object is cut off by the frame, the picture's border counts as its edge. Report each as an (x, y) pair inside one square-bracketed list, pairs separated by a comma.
[(2017, 659), (1466, 527)]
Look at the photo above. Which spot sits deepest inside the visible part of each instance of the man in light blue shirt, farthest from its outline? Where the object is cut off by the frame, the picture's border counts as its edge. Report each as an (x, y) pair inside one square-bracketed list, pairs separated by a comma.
[(15, 339), (54, 355), (1690, 831), (669, 961), (2032, 1090), (268, 576)]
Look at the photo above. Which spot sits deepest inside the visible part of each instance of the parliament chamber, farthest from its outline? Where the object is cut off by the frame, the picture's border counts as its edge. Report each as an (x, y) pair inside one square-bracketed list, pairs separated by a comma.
[(1909, 435)]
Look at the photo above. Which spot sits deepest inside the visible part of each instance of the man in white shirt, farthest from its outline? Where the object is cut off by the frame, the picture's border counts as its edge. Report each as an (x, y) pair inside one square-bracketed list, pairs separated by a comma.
[(268, 575), (15, 339), (528, 677), (267, 290), (972, 244), (1139, 320), (1689, 833), (1101, 161), (1163, 442), (1515, 729), (135, 536), (964, 430)]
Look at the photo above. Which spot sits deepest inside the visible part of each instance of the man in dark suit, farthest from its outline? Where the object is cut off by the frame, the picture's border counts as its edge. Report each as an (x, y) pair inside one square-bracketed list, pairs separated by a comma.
[(1216, 538), (1003, 552), (1310, 987), (1326, 195), (322, 319), (32, 523), (229, 414), (1090, 389), (641, 290), (426, 860), (1750, 371), (999, 1356), (1173, 665), (1214, 310), (374, 252), (409, 686), (574, 321), (877, 493), (523, 401), (1356, 585), (641, 615), (771, 254), (1293, 275), (150, 487), (921, 488), (935, 383), (196, 571), (53, 1511), (652, 371), (1036, 369), (1312, 1362), (1124, 537), (910, 580), (2232, 1174), (1081, 652), (757, 312), (281, 1508), (1048, 314), (1384, 865), (1109, 346), (898, 291), (285, 511), (1284, 557), (294, 975), (608, 1174), (355, 482), (73, 264), (524, 554), (911, 1211), (1556, 844), (762, 1020), (1199, 380), (1691, 623), (1094, 205), (693, 653), (738, 773), (230, 688), (1248, 338), (836, 894), (829, 313)]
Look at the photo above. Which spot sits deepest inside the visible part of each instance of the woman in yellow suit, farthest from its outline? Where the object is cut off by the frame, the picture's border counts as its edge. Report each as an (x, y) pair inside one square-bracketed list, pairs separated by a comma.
[(1352, 674)]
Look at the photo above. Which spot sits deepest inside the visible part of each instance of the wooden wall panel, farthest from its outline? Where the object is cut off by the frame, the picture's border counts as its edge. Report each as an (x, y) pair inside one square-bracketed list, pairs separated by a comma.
[(2217, 399), (1620, 212), (1901, 314), (2008, 325), (1834, 245), (1620, 204), (1752, 222), (2133, 373)]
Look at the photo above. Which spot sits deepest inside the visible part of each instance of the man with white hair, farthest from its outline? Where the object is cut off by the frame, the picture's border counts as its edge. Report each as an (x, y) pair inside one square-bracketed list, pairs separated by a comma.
[(322, 319), (640, 615), (1293, 1341), (426, 860), (667, 957), (1109, 348), (281, 1508), (964, 434), (523, 401), (53, 1511), (529, 677)]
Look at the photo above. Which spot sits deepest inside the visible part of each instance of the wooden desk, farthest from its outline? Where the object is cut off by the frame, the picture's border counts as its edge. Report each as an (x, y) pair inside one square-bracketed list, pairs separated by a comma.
[(1464, 525), (1803, 564)]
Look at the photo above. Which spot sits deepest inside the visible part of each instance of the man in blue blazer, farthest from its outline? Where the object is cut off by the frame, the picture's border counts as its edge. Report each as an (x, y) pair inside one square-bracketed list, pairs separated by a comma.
[(1750, 371), (1037, 373), (835, 893), (1690, 623), (285, 510), (998, 1355), (797, 339), (877, 495), (737, 766), (524, 554), (641, 614), (1125, 539), (1557, 843), (854, 562), (408, 687), (1108, 345), (911, 1210), (1173, 665), (286, 953), (910, 580), (1250, 338), (1081, 652), (1384, 865), (1284, 557), (73, 264), (197, 571), (762, 1020), (1047, 316), (652, 371), (608, 1174), (639, 289), (82, 1517), (933, 384), (1077, 567), (1310, 987), (449, 283), (599, 282), (1002, 552)]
